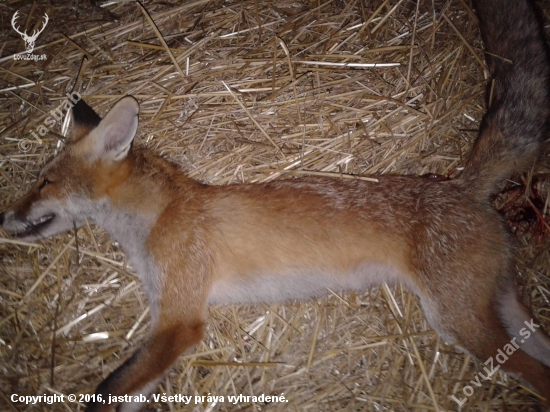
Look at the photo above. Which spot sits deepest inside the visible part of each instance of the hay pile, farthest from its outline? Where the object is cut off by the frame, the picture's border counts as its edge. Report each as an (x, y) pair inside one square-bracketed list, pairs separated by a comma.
[(250, 91)]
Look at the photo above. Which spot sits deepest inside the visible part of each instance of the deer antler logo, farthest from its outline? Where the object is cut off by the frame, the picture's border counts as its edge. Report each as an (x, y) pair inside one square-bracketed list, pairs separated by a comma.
[(29, 40)]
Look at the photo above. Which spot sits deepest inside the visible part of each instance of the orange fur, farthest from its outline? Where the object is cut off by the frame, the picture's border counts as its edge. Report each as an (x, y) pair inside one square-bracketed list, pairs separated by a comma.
[(193, 244), (292, 239)]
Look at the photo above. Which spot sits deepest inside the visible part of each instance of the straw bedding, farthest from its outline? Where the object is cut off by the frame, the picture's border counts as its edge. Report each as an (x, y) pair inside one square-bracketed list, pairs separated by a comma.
[(250, 91)]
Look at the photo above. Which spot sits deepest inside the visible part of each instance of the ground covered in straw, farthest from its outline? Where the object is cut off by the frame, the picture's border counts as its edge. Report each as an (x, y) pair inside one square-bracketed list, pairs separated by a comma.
[(250, 91)]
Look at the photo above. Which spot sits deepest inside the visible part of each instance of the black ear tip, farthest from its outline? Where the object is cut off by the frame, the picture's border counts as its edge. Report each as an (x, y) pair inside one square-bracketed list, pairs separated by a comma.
[(84, 115)]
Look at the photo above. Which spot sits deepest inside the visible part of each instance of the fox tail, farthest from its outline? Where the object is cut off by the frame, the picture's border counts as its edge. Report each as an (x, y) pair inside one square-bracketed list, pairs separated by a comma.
[(514, 129)]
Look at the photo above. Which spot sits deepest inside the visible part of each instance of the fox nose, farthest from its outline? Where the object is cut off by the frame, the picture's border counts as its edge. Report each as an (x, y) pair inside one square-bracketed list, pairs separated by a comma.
[(1, 218)]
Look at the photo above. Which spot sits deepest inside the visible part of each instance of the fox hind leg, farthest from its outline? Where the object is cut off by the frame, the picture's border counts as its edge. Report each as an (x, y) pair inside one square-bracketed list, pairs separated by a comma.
[(520, 325), (478, 329)]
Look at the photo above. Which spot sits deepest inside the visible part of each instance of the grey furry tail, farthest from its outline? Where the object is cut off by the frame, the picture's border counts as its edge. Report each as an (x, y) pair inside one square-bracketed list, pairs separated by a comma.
[(515, 127)]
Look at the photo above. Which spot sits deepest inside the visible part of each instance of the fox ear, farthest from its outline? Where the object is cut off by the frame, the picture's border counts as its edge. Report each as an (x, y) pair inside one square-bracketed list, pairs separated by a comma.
[(114, 135), (84, 118)]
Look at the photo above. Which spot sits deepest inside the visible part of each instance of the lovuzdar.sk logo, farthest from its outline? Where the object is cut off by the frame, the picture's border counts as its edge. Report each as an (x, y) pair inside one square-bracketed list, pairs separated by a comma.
[(29, 40)]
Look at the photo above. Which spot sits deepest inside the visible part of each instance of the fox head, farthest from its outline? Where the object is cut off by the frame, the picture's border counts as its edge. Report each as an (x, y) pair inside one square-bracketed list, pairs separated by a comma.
[(75, 184)]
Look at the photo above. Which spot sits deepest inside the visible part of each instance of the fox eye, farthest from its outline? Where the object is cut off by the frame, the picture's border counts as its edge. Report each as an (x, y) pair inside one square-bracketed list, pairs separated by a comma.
[(44, 183)]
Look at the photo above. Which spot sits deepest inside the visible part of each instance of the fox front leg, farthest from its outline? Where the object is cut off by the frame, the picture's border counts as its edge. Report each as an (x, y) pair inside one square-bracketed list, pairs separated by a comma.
[(139, 374), (178, 327)]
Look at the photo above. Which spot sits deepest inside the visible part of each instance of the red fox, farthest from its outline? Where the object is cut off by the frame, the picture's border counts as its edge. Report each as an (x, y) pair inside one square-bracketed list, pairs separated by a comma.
[(193, 244)]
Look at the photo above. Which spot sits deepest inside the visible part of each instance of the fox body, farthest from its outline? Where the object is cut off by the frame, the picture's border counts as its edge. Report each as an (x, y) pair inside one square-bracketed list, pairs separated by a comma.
[(193, 244)]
